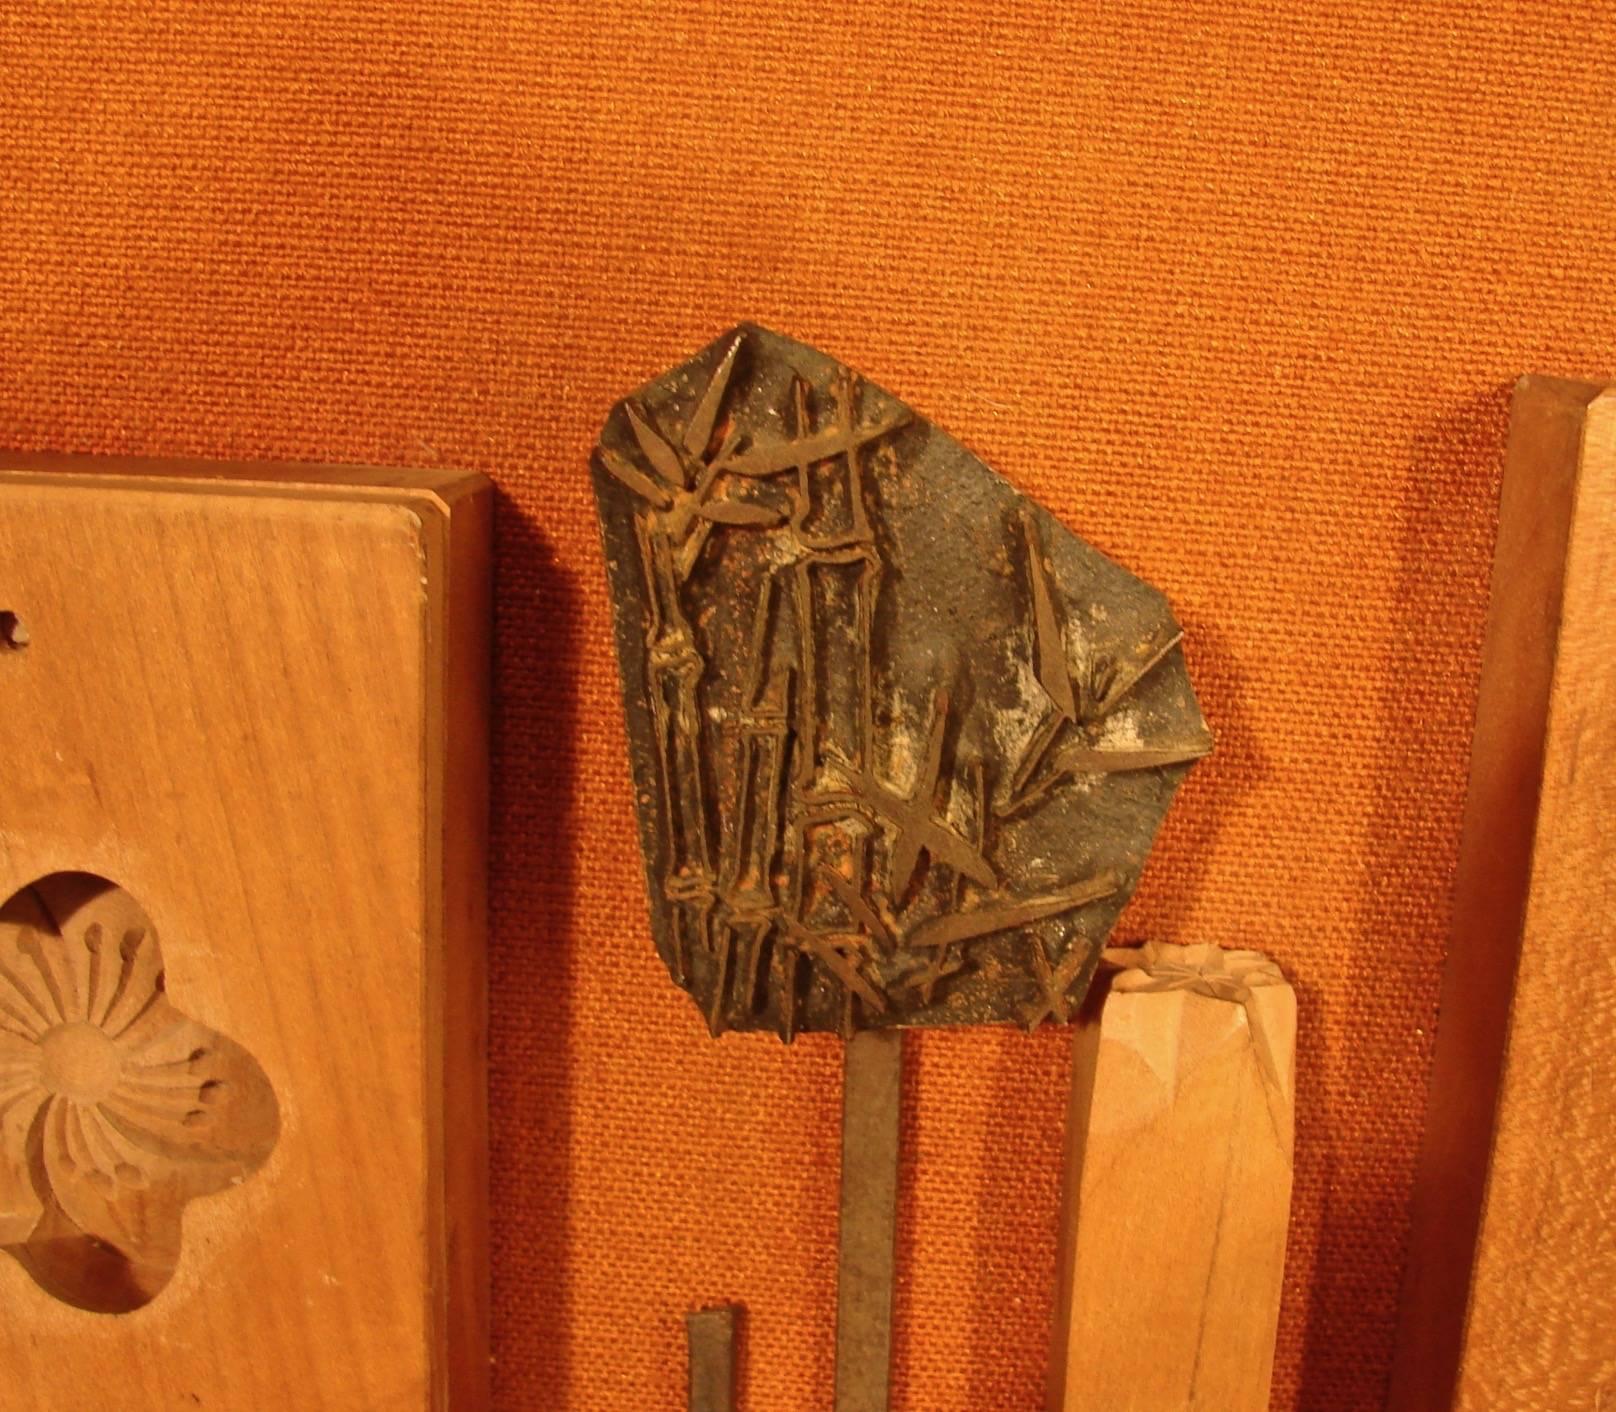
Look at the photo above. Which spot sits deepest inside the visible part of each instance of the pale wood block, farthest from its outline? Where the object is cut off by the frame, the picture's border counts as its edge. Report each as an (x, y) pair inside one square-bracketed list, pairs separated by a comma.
[(1178, 1185), (243, 715), (1509, 1300)]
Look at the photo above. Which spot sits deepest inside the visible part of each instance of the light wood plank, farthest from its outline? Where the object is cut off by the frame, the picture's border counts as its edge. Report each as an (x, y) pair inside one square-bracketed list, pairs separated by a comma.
[(1510, 1293), (1178, 1185)]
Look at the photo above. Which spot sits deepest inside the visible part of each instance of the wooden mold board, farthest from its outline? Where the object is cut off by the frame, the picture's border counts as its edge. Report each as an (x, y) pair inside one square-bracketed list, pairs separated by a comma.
[(1509, 1298), (243, 814)]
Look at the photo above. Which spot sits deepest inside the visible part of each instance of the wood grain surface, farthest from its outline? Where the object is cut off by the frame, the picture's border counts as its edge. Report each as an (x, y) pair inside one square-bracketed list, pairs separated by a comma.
[(1510, 1297), (1178, 1185), (256, 700)]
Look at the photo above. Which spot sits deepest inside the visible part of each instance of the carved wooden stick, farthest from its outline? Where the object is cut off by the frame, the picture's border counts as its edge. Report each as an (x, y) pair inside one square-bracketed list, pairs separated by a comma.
[(1178, 1185)]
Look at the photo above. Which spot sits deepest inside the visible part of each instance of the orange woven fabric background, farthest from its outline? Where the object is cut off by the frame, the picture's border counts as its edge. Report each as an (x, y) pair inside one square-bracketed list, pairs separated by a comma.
[(1236, 293)]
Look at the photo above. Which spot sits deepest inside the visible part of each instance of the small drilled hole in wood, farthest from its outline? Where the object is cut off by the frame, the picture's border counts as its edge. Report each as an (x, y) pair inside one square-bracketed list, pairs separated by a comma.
[(13, 631), (116, 1107)]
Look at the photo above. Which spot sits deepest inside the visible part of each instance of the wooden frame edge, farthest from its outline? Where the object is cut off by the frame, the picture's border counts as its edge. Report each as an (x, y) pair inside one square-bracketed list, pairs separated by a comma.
[(1538, 501)]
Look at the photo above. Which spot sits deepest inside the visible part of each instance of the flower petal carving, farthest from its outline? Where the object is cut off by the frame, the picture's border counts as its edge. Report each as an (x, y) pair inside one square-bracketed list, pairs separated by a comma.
[(20, 1205), (116, 1107)]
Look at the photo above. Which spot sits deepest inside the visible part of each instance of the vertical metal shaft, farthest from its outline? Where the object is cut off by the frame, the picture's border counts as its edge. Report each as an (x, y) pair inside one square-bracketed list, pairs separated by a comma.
[(711, 1333), (871, 1083)]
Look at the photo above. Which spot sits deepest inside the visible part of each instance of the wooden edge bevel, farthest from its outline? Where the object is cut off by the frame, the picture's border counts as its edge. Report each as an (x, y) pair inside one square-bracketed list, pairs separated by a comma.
[(458, 530), (275, 478)]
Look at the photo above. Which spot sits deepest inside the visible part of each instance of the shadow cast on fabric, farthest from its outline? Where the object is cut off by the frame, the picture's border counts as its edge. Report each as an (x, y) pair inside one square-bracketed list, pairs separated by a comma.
[(531, 931), (1401, 930)]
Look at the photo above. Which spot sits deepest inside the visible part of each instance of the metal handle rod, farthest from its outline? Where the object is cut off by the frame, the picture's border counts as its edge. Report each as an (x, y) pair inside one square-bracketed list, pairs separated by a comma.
[(711, 1334), (872, 1078)]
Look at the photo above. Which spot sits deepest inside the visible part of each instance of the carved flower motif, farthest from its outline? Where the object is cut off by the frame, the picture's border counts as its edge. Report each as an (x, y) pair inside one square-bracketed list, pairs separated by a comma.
[(116, 1109)]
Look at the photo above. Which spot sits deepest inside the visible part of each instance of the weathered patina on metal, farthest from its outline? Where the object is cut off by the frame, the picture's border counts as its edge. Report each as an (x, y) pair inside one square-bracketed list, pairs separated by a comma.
[(900, 740)]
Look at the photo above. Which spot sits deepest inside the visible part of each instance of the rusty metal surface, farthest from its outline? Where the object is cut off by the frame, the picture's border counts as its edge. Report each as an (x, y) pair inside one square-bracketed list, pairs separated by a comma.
[(711, 1337), (872, 1077), (900, 740)]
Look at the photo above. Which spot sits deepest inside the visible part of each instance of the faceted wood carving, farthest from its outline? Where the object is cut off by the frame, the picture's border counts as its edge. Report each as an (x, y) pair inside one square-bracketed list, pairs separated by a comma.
[(900, 741), (1177, 1192), (116, 1109)]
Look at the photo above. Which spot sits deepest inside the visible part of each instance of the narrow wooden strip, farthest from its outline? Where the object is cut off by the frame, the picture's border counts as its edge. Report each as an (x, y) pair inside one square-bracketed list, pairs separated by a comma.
[(1508, 1295), (871, 1083), (1178, 1185), (711, 1336)]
